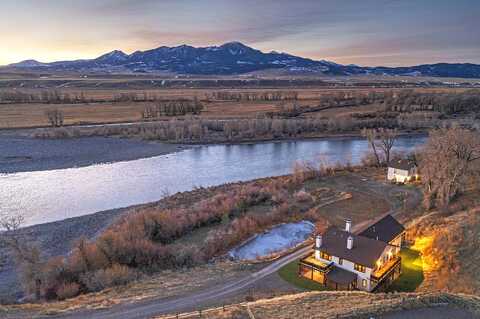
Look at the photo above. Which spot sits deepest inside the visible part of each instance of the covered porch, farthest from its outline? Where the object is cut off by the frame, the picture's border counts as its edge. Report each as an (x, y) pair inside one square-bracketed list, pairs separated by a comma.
[(313, 269), (327, 274), (341, 279)]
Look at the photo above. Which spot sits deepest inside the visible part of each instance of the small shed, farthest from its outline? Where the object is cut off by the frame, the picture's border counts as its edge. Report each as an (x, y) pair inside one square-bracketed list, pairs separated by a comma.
[(402, 171)]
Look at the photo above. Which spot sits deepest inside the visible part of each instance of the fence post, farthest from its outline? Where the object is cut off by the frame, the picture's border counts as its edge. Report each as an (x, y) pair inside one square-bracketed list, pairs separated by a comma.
[(200, 313)]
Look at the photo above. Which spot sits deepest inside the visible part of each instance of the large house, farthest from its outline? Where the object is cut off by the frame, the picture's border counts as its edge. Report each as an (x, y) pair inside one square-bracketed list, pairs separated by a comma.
[(367, 260), (402, 171)]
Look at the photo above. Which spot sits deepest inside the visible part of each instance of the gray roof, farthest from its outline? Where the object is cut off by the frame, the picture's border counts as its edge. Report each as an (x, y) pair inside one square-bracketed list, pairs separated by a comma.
[(402, 164), (365, 251), (386, 228), (341, 276)]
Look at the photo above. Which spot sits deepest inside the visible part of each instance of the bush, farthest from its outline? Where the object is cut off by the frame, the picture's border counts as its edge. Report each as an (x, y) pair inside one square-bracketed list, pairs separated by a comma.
[(116, 275), (67, 290), (303, 197)]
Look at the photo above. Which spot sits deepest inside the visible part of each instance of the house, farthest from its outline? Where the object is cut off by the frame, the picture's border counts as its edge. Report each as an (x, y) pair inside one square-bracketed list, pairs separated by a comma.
[(367, 260), (402, 171)]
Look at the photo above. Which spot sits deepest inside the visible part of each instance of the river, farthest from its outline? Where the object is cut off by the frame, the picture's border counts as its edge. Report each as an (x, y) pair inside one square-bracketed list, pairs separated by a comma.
[(46, 196)]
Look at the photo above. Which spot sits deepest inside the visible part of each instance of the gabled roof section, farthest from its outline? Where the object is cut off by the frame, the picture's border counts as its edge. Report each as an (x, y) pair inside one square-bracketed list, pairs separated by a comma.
[(385, 228), (365, 251), (402, 164)]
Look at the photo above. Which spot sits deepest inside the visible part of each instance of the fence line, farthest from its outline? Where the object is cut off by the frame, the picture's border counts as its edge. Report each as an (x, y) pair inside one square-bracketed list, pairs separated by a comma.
[(199, 313)]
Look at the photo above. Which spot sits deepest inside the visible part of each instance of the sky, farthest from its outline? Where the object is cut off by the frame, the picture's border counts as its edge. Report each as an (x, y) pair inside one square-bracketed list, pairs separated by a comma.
[(362, 32)]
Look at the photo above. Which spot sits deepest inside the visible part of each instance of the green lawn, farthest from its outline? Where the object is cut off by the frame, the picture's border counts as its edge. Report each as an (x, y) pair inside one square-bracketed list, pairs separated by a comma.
[(411, 278), (289, 273), (412, 272)]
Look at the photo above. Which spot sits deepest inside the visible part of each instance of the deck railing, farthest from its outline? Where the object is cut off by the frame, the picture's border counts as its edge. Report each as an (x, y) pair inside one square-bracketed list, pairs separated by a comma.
[(386, 269)]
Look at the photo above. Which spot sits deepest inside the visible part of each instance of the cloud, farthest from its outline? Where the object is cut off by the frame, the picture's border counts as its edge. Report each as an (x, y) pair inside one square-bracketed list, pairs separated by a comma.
[(345, 30)]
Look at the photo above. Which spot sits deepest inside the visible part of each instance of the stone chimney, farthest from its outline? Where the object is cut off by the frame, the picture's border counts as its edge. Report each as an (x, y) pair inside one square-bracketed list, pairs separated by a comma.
[(348, 225), (349, 242), (318, 244)]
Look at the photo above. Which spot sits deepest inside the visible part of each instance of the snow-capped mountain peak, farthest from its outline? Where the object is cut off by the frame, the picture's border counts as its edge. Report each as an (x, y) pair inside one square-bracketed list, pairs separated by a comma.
[(237, 58)]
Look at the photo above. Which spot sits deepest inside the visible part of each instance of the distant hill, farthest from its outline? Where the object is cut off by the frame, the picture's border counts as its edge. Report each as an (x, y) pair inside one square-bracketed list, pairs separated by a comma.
[(237, 58)]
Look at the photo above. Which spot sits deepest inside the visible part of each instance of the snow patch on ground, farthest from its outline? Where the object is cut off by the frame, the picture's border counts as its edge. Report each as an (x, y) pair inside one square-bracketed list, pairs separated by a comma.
[(279, 238)]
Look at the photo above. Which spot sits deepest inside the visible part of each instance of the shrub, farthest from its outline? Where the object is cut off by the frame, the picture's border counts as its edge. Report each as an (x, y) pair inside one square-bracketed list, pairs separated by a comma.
[(116, 275), (67, 290), (303, 197)]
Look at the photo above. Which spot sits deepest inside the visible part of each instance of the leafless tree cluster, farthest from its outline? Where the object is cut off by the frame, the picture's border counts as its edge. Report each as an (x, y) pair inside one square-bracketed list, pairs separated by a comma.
[(55, 117), (381, 141), (25, 255), (448, 164), (134, 97), (444, 103), (192, 129), (172, 108), (351, 98), (253, 96), (46, 97)]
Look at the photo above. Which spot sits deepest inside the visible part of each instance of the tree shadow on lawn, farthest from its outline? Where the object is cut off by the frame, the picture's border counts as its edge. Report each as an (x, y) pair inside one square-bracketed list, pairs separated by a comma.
[(412, 272)]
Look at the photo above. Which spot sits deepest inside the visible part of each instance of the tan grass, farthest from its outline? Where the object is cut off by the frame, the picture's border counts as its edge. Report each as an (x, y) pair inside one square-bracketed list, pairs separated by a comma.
[(337, 305)]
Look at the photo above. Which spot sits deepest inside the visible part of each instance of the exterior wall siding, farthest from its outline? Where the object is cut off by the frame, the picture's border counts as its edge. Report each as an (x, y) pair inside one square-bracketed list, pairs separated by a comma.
[(400, 175), (398, 242)]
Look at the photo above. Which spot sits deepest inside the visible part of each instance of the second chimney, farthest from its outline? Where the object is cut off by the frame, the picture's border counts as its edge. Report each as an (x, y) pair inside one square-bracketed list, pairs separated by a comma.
[(349, 242), (348, 225), (318, 241), (318, 244)]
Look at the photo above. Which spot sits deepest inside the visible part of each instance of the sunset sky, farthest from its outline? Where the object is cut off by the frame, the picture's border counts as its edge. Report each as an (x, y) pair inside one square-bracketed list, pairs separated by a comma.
[(364, 32)]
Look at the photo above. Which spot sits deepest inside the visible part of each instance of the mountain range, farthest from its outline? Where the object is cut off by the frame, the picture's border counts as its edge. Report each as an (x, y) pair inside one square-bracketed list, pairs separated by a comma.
[(236, 58)]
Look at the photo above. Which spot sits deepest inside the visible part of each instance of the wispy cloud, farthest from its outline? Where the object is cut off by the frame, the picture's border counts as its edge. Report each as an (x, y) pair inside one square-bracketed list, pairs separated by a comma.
[(373, 31)]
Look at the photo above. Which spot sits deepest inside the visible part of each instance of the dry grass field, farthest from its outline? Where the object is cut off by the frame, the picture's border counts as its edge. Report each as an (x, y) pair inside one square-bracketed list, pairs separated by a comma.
[(33, 114)]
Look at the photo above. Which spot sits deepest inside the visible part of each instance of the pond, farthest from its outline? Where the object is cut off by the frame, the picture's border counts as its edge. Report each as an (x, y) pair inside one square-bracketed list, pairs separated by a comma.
[(277, 239)]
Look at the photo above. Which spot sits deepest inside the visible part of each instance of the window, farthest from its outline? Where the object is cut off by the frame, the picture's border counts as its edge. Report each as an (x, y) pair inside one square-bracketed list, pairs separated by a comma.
[(340, 261), (326, 256), (364, 283), (360, 268)]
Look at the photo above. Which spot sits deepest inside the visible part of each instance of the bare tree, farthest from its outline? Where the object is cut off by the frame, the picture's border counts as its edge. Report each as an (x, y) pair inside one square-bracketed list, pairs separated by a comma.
[(55, 117), (387, 139), (27, 257), (446, 164), (382, 139), (371, 135)]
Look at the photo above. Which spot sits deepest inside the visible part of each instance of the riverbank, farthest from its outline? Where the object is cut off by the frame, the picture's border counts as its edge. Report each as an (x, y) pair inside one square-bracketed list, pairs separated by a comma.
[(24, 154), (53, 239), (57, 238)]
